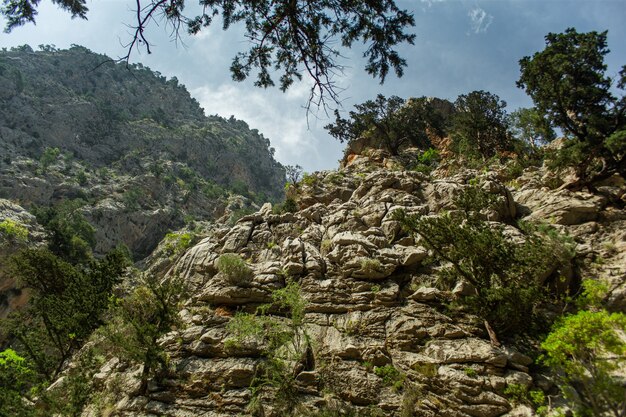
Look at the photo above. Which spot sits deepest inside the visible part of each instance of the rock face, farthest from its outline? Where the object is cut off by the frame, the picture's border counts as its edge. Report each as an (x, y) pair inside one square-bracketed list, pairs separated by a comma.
[(134, 146), (370, 303)]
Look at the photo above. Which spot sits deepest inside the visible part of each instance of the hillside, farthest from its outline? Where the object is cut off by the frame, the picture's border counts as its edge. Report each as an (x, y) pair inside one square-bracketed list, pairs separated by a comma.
[(360, 322), (133, 145)]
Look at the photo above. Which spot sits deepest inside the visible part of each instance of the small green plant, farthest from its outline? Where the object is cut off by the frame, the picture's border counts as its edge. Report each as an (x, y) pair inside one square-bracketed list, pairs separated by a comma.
[(326, 245), (15, 377), (517, 393), (593, 293), (177, 243), (375, 289), (12, 231), (471, 372), (427, 161), (48, 157), (391, 376), (131, 198), (235, 269), (369, 265), (284, 340), (309, 179), (81, 177)]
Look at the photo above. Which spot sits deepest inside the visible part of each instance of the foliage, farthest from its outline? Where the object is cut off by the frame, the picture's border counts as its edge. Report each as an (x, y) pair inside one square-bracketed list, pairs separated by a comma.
[(235, 269), (593, 293), (178, 243), (427, 161), (568, 85), (286, 344), (293, 173), (588, 349), (76, 389), (15, 377), (530, 127), (131, 198), (12, 231), (391, 376), (370, 265), (19, 12), (66, 304), (290, 38), (48, 157), (390, 124), (309, 179), (479, 125), (504, 272), (287, 206), (71, 236), (137, 322)]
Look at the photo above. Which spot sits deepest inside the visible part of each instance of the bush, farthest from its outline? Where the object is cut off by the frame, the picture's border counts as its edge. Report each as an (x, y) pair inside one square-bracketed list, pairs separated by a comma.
[(285, 345), (71, 236), (391, 376), (177, 243), (12, 231), (48, 157), (504, 272), (588, 351), (137, 322), (66, 305), (15, 378), (479, 126), (235, 269)]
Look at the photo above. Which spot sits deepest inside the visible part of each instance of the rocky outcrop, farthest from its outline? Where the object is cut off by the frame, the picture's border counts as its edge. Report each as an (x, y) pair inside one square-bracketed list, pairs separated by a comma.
[(370, 303)]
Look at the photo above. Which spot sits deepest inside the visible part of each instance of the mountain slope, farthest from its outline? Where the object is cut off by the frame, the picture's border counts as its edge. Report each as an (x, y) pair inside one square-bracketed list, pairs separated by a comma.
[(73, 124)]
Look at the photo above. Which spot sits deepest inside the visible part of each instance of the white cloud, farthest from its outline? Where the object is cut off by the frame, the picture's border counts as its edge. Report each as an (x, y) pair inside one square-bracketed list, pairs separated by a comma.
[(480, 20), (284, 124)]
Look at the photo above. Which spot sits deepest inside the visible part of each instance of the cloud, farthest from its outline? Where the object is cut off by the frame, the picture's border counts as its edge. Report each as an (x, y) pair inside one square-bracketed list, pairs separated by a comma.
[(480, 20), (279, 117)]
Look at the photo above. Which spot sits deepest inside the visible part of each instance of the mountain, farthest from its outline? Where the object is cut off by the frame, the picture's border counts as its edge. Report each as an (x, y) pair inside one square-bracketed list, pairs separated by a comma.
[(135, 147)]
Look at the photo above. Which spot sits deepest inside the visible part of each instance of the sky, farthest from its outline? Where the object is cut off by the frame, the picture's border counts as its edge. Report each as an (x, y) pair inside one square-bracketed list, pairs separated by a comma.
[(460, 46)]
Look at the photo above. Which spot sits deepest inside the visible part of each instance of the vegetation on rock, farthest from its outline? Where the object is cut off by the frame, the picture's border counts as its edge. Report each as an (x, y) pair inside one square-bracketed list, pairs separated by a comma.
[(568, 83)]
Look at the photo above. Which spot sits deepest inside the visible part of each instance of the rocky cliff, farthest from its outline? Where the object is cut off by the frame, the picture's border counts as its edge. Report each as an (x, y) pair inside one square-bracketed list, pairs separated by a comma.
[(376, 336), (131, 144)]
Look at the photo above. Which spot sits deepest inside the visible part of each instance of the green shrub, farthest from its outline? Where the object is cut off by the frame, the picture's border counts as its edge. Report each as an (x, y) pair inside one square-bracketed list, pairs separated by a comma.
[(309, 179), (502, 271), (138, 321), (48, 157), (235, 269), (71, 236), (81, 177), (285, 343), (427, 161), (177, 243), (369, 265), (588, 351), (66, 305), (391, 376), (15, 377), (12, 231)]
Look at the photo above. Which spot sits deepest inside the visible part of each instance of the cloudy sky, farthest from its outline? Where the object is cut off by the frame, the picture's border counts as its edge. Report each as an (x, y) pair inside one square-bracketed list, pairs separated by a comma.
[(461, 46)]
